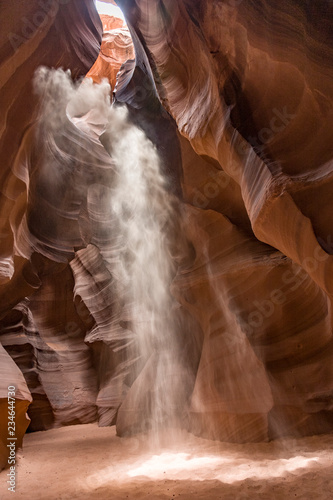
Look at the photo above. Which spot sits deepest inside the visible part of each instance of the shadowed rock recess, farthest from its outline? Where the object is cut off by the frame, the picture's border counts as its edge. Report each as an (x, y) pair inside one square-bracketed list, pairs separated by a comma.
[(229, 110)]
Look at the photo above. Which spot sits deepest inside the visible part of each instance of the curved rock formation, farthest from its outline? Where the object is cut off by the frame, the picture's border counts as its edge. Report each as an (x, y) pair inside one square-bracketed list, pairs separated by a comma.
[(14, 402), (64, 34), (259, 115)]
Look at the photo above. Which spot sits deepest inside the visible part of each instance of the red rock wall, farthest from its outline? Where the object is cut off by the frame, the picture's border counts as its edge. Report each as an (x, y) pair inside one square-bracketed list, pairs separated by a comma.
[(58, 34), (116, 48), (250, 87)]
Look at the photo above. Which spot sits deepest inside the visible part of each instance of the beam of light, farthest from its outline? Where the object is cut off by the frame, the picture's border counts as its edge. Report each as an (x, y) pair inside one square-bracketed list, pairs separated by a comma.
[(110, 10)]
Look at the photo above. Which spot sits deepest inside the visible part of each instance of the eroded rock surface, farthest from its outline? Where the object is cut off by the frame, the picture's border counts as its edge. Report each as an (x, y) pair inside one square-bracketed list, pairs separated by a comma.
[(56, 34), (249, 85), (116, 48)]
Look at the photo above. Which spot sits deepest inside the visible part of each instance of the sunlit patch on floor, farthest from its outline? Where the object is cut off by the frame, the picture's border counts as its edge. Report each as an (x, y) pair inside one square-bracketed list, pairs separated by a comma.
[(88, 462), (227, 469)]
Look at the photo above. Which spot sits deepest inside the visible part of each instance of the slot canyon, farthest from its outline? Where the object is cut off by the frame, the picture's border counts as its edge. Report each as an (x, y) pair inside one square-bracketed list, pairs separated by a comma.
[(166, 249)]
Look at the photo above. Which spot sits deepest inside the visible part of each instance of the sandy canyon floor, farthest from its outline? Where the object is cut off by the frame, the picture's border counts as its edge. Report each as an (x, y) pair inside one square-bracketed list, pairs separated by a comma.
[(87, 462)]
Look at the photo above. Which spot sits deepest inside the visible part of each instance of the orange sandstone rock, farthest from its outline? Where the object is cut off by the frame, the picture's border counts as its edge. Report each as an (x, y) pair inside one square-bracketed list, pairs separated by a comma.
[(116, 48)]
